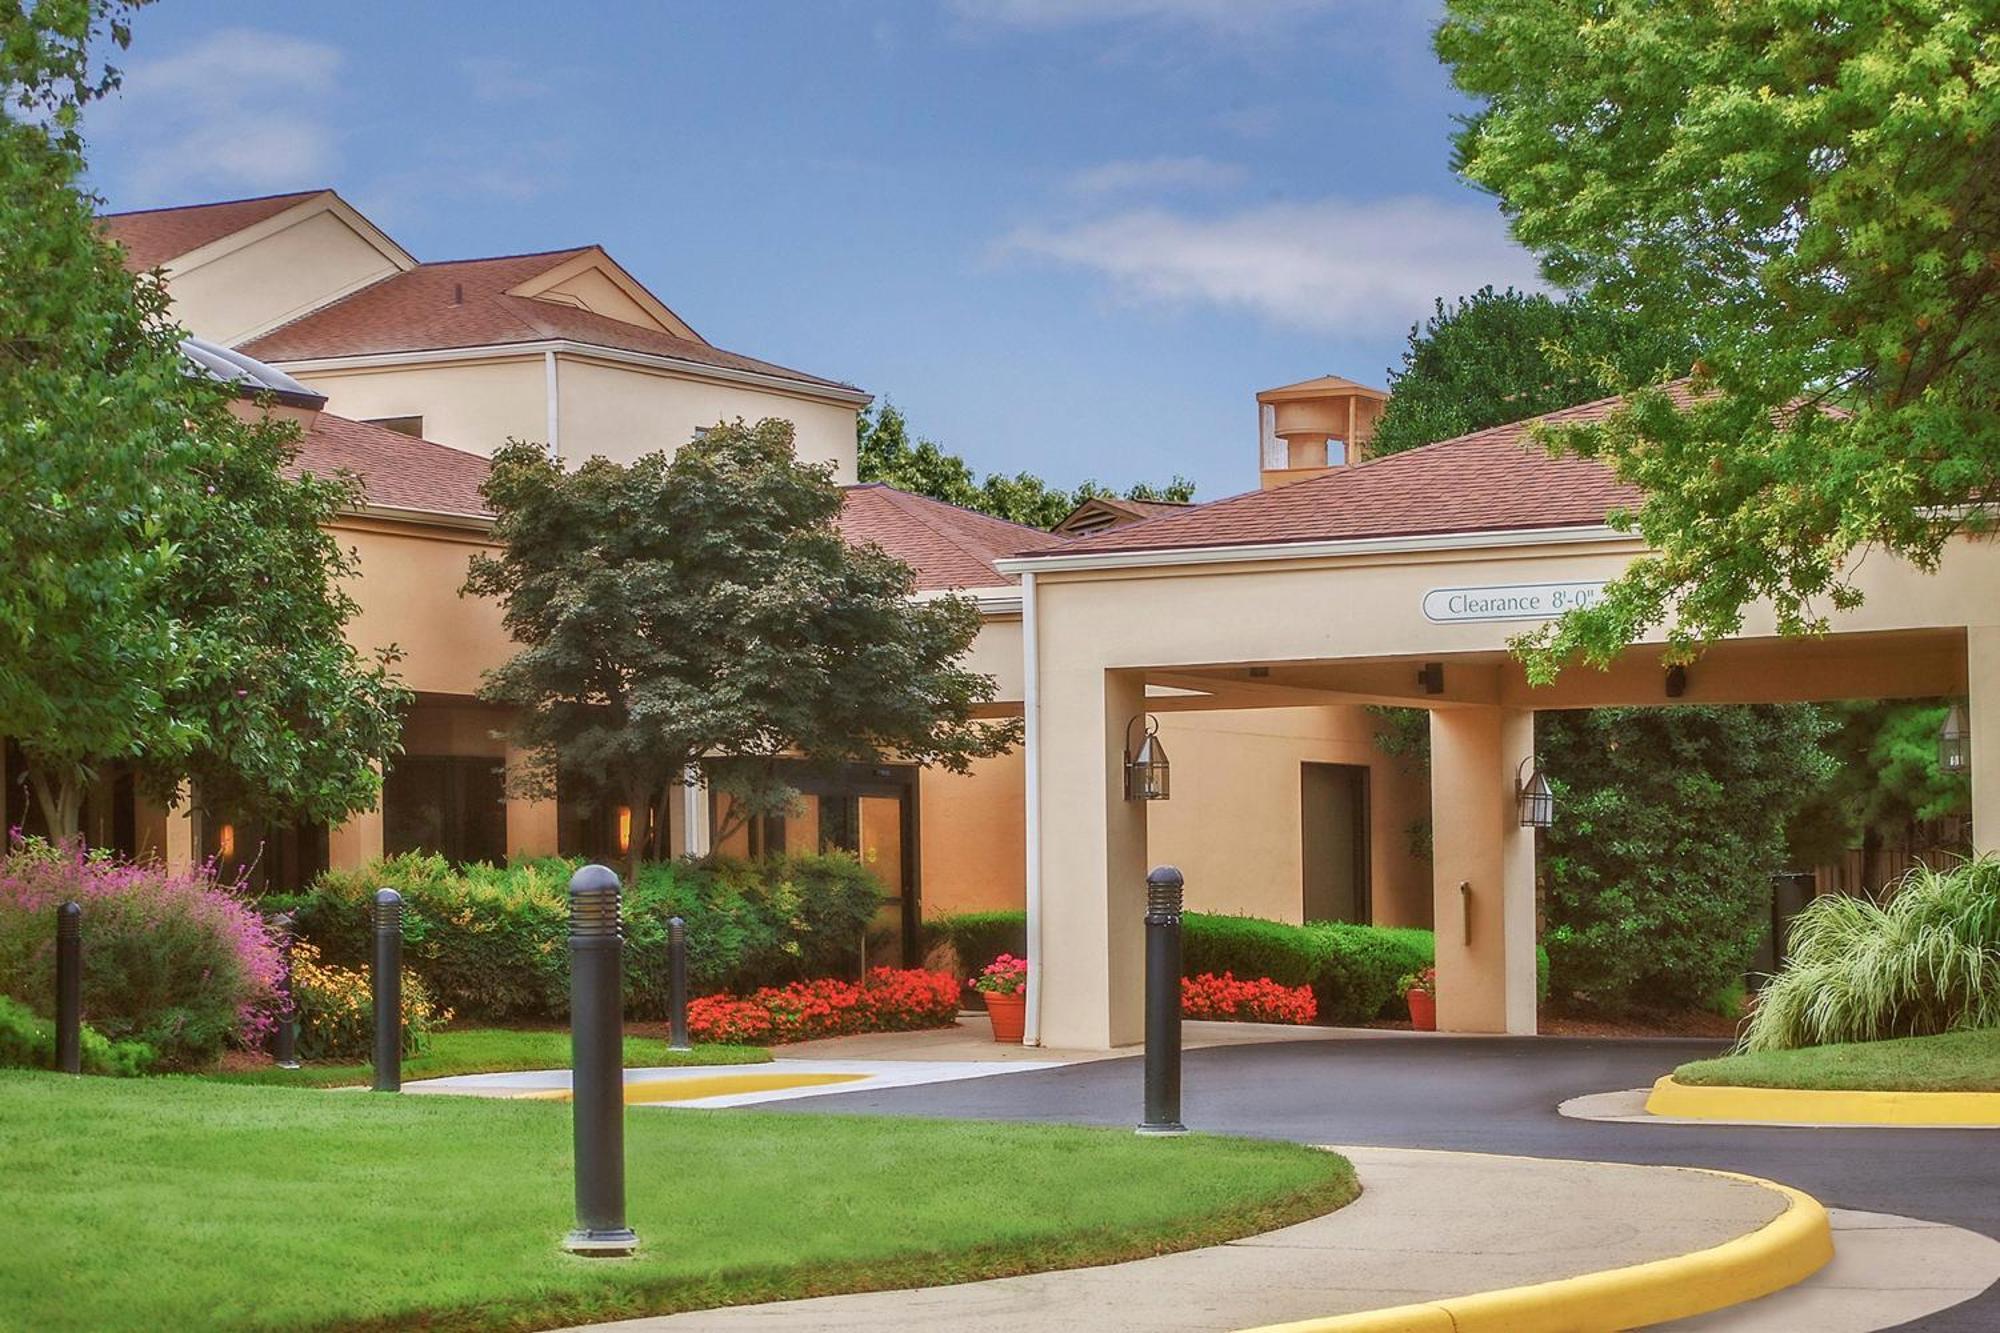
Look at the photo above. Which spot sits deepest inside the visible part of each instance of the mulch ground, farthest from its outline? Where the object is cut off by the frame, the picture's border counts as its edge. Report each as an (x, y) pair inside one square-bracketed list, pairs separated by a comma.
[(1699, 1023)]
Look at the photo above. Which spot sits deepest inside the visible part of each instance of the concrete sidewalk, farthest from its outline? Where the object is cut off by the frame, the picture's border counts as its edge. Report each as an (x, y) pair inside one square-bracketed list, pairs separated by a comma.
[(1427, 1226)]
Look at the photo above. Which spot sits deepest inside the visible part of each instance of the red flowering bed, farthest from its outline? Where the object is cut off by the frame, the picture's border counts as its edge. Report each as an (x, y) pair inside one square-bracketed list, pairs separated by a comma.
[(888, 1000), (1259, 1001)]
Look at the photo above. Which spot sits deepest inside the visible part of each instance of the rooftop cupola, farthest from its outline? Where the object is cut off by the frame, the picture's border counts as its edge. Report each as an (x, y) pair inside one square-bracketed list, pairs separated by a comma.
[(1311, 427)]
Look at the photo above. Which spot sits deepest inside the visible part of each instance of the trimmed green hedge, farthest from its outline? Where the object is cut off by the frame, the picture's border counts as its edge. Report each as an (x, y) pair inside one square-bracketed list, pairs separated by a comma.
[(1352, 970), (491, 944)]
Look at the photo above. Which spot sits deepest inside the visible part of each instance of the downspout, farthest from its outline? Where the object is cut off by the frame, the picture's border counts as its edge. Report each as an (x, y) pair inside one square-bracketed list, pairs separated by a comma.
[(1031, 708), (555, 412)]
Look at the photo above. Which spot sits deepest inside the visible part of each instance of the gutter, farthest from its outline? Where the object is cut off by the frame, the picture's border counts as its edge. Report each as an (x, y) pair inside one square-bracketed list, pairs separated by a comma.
[(1031, 712), (844, 395), (1484, 539), (555, 403)]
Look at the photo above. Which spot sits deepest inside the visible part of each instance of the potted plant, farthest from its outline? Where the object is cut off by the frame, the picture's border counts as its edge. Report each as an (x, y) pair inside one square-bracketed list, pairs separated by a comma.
[(1004, 985), (1421, 989)]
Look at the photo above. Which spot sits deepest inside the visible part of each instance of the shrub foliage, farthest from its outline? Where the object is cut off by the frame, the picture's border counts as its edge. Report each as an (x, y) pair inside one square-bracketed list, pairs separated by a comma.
[(1670, 825), (176, 960), (491, 943), (1351, 970), (886, 1000), (1924, 962), (336, 1009)]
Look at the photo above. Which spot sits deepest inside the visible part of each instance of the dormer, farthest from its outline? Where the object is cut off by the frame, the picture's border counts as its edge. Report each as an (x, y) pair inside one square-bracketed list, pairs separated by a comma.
[(1310, 428), (592, 280)]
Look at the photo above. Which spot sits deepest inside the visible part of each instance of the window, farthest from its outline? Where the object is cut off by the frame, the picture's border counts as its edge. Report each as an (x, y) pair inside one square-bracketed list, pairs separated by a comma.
[(452, 805), (840, 824), (401, 425)]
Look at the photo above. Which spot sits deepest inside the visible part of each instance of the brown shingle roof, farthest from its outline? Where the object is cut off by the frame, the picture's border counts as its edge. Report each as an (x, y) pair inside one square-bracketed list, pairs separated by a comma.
[(153, 236), (464, 303), (949, 547), (397, 471), (1491, 480)]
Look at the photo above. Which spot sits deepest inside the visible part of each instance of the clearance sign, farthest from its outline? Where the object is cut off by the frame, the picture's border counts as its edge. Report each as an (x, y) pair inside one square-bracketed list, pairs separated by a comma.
[(1508, 601)]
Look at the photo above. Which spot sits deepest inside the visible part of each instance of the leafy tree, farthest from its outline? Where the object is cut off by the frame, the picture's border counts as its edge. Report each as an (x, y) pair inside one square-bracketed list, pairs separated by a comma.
[(167, 598), (703, 604), (1886, 781), (293, 722), (1810, 194), (887, 454), (1495, 357), (1656, 873), (1631, 824)]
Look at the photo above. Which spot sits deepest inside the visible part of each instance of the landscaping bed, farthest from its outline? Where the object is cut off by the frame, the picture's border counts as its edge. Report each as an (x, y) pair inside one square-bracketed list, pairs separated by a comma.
[(156, 1200), (484, 1051), (1351, 970), (1948, 1062)]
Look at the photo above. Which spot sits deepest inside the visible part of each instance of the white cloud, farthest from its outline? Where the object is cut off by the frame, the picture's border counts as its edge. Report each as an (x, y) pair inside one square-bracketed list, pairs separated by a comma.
[(1366, 268), (1223, 14), (240, 111), (1155, 174)]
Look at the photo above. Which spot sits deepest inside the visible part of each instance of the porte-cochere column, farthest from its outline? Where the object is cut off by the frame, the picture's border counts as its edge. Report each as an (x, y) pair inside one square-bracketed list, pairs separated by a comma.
[(1484, 867)]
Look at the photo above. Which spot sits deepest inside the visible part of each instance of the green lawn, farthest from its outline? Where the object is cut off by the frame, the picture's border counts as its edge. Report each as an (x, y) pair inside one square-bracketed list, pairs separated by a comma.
[(492, 1051), (1952, 1062), (184, 1203)]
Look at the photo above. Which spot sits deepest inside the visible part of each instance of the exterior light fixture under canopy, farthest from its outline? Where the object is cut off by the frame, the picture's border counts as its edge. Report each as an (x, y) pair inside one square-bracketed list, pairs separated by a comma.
[(1536, 802), (1147, 773), (1955, 740)]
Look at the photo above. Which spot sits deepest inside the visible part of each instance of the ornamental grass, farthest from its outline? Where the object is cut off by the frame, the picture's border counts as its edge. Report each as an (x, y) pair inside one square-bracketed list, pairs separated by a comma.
[(1925, 961)]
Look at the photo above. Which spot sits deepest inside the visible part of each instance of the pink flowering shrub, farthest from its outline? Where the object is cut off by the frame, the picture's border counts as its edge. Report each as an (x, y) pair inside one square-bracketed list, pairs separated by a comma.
[(179, 961)]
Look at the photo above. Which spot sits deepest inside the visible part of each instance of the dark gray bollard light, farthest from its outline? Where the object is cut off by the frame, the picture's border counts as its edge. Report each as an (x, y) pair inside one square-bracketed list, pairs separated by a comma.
[(69, 988), (1163, 1002), (677, 985), (597, 1050), (388, 978), (285, 1036)]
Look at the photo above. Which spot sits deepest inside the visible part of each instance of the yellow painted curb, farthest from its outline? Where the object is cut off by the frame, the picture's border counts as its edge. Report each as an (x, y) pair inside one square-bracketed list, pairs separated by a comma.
[(1789, 1248), (1807, 1106), (703, 1085)]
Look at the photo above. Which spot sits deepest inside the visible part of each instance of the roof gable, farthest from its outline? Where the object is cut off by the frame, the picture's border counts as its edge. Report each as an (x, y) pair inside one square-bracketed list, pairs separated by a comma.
[(152, 236), (179, 239), (474, 303), (592, 280)]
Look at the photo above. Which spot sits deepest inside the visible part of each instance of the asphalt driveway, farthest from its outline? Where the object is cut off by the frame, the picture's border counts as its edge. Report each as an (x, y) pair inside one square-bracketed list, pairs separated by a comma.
[(1493, 1094)]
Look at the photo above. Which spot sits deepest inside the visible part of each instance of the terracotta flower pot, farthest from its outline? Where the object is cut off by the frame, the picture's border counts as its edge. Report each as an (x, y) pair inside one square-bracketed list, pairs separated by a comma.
[(1009, 1014), (1423, 1011)]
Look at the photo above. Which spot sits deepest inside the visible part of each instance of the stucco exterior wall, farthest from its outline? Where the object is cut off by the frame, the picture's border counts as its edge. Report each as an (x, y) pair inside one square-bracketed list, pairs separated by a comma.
[(407, 588), (622, 411), (472, 405), (972, 830), (1357, 619), (1233, 826), (256, 287)]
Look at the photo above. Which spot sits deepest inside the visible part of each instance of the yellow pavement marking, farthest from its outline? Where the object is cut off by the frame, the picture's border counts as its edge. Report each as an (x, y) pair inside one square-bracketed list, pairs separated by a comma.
[(1804, 1106), (1791, 1247)]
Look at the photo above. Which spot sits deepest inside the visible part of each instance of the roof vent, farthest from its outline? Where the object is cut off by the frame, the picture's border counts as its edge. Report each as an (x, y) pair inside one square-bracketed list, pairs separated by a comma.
[(1314, 426)]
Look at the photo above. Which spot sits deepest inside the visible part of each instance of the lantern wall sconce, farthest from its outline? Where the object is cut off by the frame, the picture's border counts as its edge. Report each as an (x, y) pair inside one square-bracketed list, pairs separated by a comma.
[(1536, 802), (1431, 677), (1955, 740), (1677, 681), (1148, 776)]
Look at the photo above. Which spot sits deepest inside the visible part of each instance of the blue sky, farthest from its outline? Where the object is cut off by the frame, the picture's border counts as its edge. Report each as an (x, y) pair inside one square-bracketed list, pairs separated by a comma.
[(1067, 236)]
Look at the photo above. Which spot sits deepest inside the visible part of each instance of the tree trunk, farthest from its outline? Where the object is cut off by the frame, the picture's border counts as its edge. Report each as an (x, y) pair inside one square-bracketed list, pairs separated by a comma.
[(61, 803)]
